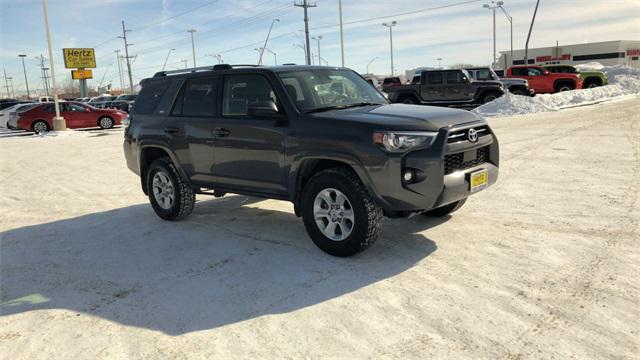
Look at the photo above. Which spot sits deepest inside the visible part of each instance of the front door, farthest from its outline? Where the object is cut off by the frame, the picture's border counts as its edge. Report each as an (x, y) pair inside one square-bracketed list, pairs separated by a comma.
[(79, 116), (249, 150), (536, 80)]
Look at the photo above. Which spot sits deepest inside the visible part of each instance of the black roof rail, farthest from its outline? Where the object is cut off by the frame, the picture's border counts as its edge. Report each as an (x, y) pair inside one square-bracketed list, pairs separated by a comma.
[(288, 64), (203, 68)]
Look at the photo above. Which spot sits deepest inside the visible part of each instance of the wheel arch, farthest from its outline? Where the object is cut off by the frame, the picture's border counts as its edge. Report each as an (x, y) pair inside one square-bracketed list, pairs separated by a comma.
[(148, 154), (312, 165), (559, 82)]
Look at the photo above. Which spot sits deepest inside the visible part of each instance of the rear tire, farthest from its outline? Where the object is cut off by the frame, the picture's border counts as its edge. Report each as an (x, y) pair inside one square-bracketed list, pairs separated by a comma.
[(564, 87), (592, 83), (171, 197), (445, 210), (408, 100), (353, 223), (40, 127), (489, 97), (518, 91), (105, 122)]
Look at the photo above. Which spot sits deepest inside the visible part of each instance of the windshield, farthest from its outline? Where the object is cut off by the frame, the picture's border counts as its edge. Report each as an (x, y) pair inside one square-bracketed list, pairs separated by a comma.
[(318, 89)]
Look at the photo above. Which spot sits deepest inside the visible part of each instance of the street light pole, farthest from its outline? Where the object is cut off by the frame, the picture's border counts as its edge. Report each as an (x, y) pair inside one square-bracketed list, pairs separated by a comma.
[(166, 59), (185, 62), (493, 6), (341, 34), (26, 81), (369, 63), (439, 63), (193, 46), (390, 26), (119, 69), (510, 18), (318, 38), (266, 40), (58, 122), (526, 46), (275, 56)]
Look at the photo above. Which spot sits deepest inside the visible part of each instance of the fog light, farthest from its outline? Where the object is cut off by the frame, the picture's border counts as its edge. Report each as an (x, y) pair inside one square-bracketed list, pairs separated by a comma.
[(408, 176)]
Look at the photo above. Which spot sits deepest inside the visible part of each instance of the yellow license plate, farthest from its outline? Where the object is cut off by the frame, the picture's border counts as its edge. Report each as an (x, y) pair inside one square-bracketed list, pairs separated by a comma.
[(479, 180)]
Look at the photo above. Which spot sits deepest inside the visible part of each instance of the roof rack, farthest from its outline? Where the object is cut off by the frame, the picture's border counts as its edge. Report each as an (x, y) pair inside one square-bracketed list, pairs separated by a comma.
[(203, 68)]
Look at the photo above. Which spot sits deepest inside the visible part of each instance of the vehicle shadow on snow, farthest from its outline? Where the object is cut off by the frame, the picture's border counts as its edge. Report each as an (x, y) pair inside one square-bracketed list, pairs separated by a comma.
[(227, 263)]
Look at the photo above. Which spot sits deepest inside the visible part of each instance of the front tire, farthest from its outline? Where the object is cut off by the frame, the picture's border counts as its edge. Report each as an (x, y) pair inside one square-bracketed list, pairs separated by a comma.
[(339, 214), (564, 87), (489, 97), (445, 210), (408, 100), (171, 197)]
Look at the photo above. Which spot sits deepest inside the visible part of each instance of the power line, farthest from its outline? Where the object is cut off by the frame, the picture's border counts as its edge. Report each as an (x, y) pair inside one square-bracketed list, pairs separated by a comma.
[(398, 14), (175, 16)]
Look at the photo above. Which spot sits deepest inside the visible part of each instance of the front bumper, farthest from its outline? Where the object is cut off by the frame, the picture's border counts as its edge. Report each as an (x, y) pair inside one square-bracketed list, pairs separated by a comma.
[(438, 182)]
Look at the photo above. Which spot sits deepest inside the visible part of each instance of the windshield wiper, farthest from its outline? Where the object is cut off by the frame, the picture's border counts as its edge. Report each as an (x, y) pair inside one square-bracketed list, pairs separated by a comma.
[(339, 107)]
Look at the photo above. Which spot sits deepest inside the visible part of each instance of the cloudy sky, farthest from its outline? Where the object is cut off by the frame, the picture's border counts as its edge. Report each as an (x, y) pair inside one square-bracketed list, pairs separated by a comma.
[(426, 30)]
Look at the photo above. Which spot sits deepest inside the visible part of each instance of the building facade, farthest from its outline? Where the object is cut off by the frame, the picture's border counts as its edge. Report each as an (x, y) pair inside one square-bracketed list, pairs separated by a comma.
[(619, 52)]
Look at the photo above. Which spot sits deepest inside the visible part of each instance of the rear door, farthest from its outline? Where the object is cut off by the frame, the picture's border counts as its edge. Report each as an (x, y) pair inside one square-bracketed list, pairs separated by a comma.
[(433, 87), (457, 86), (191, 126), (249, 150)]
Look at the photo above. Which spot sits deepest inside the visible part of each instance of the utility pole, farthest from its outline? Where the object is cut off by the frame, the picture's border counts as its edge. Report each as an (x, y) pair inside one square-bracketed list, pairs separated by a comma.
[(526, 46), (119, 69), (45, 79), (193, 46), (341, 34), (318, 40), (6, 82), (305, 5), (390, 26), (167, 59), (266, 40), (126, 55), (26, 81)]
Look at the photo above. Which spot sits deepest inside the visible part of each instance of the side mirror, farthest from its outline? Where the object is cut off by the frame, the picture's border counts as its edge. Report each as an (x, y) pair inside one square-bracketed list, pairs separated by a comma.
[(87, 110), (546, 72), (266, 109)]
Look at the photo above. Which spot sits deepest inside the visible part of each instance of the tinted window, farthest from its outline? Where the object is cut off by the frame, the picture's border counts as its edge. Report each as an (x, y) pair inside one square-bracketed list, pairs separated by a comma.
[(519, 71), (197, 98), (533, 72), (242, 90), (455, 77), (51, 108), (150, 96), (75, 107), (293, 88), (483, 75), (434, 78)]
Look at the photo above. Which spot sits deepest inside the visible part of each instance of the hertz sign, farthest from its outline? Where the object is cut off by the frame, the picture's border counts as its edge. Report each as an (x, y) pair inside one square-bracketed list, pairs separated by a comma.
[(79, 58)]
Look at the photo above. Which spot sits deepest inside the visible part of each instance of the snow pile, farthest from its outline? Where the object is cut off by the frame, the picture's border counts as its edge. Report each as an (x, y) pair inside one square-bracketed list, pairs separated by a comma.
[(623, 81)]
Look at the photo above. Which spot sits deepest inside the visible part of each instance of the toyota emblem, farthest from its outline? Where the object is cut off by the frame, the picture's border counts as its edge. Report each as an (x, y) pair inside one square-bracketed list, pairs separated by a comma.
[(472, 135)]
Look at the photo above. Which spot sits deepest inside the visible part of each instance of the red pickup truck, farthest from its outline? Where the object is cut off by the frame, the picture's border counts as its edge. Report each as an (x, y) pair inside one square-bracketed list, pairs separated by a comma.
[(544, 81)]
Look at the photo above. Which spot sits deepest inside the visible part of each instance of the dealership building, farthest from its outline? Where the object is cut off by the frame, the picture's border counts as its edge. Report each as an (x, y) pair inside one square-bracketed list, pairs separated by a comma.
[(619, 52)]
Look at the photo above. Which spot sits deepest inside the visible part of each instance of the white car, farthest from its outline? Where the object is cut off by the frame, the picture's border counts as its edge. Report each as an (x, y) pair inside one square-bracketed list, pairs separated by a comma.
[(9, 116)]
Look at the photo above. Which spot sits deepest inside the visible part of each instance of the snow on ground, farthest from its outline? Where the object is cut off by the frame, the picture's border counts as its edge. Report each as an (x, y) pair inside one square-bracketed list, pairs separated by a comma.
[(543, 265), (624, 82)]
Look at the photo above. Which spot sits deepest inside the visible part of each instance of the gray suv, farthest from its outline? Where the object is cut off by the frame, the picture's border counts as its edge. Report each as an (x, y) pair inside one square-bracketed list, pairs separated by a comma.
[(320, 137)]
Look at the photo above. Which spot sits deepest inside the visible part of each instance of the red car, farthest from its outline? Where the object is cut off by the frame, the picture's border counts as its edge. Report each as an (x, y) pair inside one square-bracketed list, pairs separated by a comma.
[(544, 81), (76, 115)]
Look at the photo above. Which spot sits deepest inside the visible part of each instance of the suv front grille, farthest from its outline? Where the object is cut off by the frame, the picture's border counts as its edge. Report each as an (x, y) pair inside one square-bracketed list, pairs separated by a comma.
[(455, 162), (461, 135)]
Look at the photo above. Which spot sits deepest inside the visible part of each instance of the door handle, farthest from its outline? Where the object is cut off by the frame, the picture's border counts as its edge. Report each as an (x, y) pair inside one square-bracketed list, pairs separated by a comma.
[(171, 130), (221, 132)]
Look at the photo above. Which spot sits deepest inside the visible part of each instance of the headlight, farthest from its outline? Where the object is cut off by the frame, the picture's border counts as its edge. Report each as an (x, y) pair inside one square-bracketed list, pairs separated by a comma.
[(401, 141), (126, 122)]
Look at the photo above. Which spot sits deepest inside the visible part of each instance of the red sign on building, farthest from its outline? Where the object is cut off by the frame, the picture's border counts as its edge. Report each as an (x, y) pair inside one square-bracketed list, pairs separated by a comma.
[(552, 58), (633, 52)]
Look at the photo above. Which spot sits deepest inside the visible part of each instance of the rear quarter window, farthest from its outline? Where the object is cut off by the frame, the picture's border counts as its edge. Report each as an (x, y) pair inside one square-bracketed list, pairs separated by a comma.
[(150, 96)]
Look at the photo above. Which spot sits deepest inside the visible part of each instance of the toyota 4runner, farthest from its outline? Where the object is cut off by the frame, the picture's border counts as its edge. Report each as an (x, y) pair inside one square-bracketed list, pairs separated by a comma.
[(320, 137)]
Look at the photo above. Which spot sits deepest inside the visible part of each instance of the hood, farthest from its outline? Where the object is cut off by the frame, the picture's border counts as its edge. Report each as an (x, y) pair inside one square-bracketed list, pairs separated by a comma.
[(514, 80), (402, 116)]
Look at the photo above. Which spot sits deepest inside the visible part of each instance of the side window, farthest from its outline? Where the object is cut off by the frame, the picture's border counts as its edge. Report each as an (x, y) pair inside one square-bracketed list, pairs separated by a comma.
[(242, 90), (434, 78), (150, 96), (50, 108), (533, 72), (293, 88), (455, 77), (484, 75), (75, 107), (519, 71), (197, 98)]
